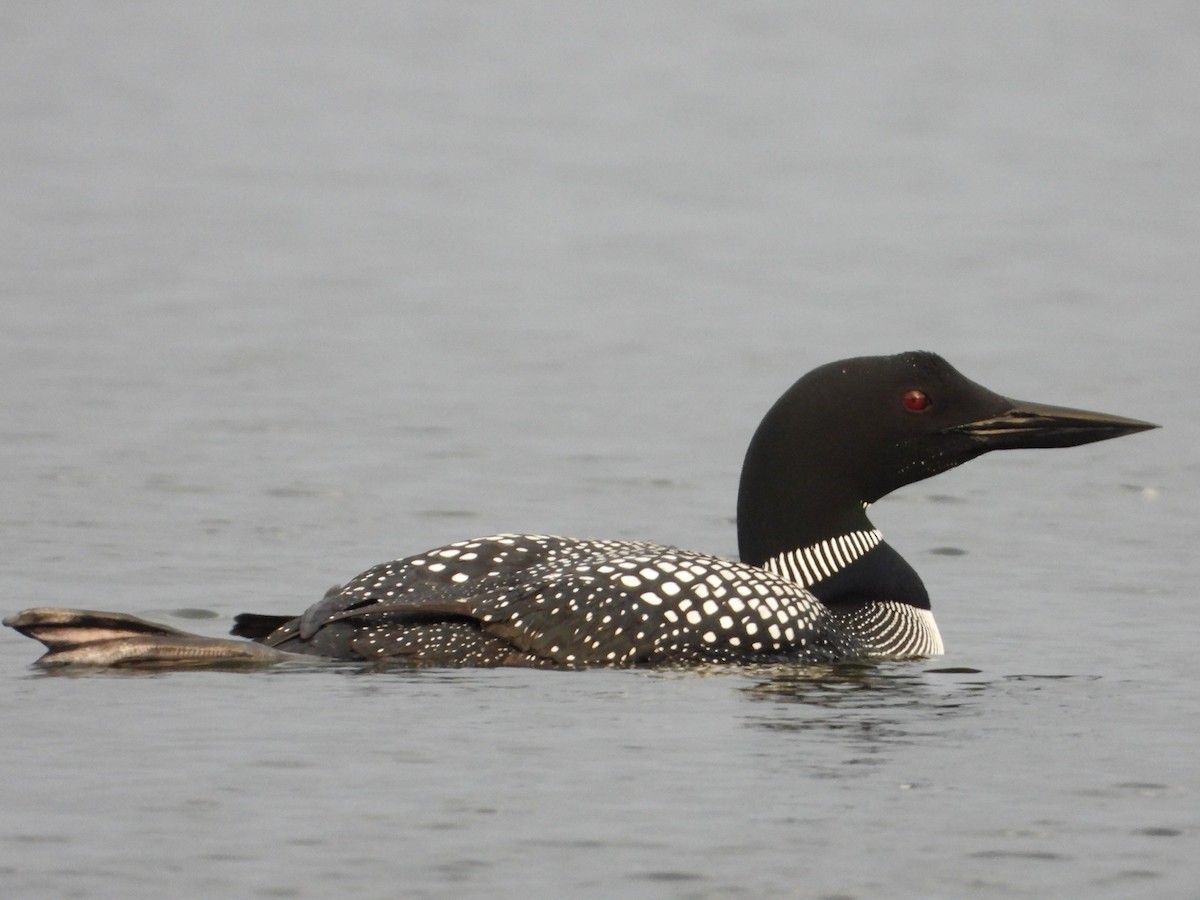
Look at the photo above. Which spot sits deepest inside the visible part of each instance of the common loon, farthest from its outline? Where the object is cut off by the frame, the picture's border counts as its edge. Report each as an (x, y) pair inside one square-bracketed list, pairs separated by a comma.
[(816, 581)]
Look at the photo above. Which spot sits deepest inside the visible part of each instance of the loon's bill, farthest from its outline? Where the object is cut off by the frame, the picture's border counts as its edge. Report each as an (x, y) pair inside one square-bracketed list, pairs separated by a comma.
[(816, 582), (1035, 425)]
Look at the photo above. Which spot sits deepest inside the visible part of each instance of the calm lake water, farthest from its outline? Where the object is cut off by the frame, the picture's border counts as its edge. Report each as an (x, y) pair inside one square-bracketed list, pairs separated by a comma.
[(291, 291)]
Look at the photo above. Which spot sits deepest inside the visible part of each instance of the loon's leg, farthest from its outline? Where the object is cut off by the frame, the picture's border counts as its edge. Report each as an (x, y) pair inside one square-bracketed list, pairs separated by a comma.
[(83, 637)]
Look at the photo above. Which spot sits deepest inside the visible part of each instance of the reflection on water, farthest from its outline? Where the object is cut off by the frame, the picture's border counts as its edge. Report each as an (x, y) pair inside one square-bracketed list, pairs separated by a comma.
[(847, 686), (868, 709)]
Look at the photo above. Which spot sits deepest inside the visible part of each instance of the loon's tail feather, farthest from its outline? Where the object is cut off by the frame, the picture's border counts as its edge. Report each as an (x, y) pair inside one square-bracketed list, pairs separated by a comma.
[(84, 637), (256, 626)]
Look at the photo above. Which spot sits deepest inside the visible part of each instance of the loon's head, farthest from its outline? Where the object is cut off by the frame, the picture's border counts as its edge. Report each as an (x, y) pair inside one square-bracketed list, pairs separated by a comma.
[(850, 432)]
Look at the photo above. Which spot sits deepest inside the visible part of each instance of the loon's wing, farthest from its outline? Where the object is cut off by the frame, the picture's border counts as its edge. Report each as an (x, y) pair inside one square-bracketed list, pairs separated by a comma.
[(455, 572), (539, 600)]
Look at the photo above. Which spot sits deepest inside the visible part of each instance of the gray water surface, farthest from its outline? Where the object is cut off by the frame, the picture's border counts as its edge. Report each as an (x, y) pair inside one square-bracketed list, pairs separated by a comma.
[(289, 292)]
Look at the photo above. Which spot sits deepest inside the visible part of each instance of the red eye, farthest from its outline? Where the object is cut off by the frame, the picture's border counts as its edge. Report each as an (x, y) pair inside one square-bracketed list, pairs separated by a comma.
[(916, 401)]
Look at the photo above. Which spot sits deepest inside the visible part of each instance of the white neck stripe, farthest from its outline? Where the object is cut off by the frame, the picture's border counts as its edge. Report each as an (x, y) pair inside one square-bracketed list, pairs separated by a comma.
[(808, 565)]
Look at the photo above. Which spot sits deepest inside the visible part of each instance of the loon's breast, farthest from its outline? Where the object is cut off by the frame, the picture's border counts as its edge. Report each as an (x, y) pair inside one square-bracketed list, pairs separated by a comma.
[(549, 601)]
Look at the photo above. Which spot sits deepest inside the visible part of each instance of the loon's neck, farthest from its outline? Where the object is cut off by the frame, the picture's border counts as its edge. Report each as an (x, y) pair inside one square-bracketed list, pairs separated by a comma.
[(816, 533), (797, 490)]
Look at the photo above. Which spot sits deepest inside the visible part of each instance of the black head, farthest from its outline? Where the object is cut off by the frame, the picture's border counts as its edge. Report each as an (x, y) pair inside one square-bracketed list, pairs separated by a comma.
[(850, 432)]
